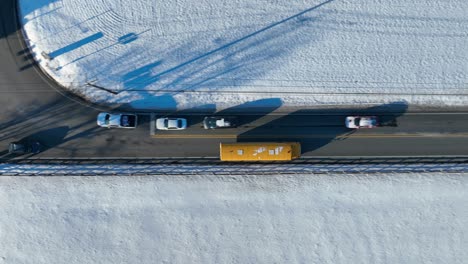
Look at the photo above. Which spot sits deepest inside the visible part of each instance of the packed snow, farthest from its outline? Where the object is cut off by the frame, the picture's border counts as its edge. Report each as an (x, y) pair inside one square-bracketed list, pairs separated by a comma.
[(214, 54), (393, 218)]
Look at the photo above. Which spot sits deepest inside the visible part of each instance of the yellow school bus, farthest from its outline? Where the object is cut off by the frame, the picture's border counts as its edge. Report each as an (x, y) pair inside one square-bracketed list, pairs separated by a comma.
[(259, 151)]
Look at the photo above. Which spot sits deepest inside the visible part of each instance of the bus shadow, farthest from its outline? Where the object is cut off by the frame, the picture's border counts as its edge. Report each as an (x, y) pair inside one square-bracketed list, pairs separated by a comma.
[(252, 111), (318, 127), (243, 113)]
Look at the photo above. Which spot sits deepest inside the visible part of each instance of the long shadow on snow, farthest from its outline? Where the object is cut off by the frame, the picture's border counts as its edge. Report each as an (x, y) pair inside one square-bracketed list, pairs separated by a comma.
[(10, 23), (243, 53), (8, 14), (231, 64), (148, 101)]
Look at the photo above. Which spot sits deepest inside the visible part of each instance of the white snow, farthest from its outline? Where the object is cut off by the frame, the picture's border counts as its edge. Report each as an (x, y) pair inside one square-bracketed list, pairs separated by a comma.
[(405, 218), (216, 54)]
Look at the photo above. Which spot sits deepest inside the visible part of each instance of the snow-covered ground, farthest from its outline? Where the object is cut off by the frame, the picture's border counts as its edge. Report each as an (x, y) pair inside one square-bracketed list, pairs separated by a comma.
[(406, 218), (217, 54)]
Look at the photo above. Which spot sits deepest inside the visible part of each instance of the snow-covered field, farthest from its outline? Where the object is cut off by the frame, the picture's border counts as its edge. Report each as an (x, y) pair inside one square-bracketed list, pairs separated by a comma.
[(217, 54), (406, 218)]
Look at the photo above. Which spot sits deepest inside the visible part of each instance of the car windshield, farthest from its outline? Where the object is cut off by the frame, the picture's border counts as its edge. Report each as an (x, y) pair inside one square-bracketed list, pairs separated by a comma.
[(211, 122), (16, 146), (357, 121), (124, 121)]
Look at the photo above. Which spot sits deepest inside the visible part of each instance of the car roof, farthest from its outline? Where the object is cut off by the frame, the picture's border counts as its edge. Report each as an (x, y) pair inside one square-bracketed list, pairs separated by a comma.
[(173, 122)]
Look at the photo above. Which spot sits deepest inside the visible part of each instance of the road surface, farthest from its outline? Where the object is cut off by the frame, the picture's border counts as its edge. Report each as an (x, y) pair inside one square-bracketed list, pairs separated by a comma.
[(33, 107)]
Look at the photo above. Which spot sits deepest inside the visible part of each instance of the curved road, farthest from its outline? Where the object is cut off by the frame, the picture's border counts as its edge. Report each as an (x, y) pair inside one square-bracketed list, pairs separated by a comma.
[(33, 108)]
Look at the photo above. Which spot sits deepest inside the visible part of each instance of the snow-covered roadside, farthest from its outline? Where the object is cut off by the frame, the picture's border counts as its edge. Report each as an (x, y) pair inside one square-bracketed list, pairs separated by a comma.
[(226, 169), (406, 218), (221, 54)]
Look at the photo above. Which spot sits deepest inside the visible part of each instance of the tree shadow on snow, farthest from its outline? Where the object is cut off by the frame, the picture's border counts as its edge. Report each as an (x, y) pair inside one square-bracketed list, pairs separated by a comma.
[(8, 15), (229, 62), (11, 17)]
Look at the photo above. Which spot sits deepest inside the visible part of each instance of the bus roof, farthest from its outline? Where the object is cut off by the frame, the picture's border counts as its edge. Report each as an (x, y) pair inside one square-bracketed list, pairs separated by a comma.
[(260, 151)]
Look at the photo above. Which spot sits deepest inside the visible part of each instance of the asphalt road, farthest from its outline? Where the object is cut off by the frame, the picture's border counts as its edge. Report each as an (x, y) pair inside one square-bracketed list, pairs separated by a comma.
[(34, 108)]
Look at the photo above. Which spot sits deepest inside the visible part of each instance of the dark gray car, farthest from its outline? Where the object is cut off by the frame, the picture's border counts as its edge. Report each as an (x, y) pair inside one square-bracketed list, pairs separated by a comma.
[(24, 147)]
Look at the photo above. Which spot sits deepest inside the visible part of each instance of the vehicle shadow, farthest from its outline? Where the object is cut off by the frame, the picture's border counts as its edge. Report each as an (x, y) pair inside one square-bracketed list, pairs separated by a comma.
[(251, 111), (48, 138), (244, 113), (50, 124), (317, 128)]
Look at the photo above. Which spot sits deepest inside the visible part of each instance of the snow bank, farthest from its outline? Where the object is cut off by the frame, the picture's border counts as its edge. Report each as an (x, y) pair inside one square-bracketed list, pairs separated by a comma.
[(183, 54), (223, 169), (407, 218)]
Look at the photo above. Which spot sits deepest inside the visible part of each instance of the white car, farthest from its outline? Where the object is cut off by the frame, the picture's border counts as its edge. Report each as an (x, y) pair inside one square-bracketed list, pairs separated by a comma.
[(118, 120), (174, 123), (213, 122), (361, 122)]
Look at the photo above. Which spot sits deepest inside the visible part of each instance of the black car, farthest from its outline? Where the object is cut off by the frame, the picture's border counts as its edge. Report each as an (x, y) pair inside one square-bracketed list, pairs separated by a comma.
[(24, 147), (213, 122)]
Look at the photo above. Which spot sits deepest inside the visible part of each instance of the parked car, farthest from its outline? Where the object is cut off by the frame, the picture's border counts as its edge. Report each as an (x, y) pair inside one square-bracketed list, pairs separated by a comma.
[(213, 122), (118, 120), (24, 147), (361, 122), (173, 123)]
